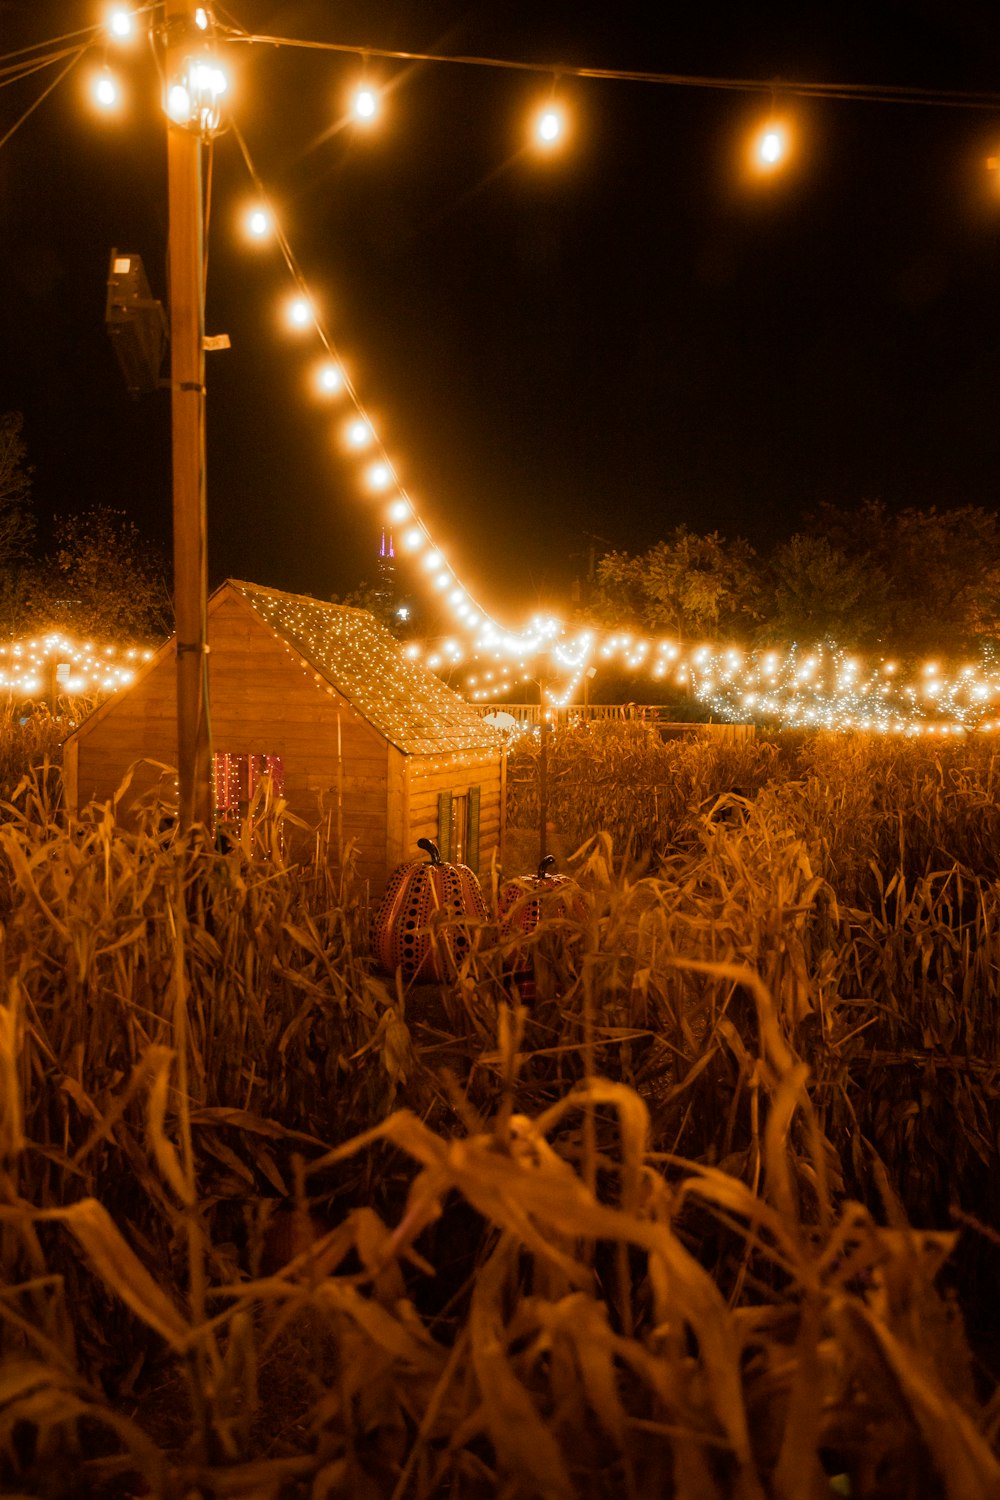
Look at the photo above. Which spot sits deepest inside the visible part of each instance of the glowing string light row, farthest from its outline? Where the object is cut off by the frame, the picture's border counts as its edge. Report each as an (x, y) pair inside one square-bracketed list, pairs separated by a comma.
[(733, 684), (34, 665), (820, 688)]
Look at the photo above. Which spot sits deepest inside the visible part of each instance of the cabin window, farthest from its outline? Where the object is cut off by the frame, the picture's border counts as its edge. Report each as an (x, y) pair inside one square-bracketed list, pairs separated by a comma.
[(458, 827), (236, 779)]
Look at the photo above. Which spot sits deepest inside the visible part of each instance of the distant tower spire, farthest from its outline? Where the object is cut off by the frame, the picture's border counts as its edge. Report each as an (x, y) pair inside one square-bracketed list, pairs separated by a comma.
[(387, 568)]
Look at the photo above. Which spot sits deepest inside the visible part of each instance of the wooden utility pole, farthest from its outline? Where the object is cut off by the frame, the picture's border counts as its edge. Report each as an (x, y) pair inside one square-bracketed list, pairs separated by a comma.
[(543, 772), (187, 406)]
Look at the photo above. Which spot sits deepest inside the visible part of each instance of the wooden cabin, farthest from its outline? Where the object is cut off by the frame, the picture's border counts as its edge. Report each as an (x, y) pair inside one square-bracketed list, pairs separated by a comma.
[(354, 734)]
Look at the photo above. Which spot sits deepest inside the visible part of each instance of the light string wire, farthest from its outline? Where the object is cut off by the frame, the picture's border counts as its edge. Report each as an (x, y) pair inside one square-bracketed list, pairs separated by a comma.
[(875, 93), (33, 65), (75, 58), (412, 517)]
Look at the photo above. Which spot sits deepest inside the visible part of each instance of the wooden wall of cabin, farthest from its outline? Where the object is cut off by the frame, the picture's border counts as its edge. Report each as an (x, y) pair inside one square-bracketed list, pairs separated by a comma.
[(263, 702), (428, 777)]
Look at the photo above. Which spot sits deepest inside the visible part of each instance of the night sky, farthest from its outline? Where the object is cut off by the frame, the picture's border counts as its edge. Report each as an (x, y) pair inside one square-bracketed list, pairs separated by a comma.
[(602, 345)]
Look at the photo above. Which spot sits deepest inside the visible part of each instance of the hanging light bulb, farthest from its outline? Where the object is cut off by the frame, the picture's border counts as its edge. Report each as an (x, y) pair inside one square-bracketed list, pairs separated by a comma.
[(299, 312), (258, 223), (107, 94), (121, 23), (330, 378), (359, 433), (771, 146), (549, 126), (194, 97), (379, 476), (365, 104)]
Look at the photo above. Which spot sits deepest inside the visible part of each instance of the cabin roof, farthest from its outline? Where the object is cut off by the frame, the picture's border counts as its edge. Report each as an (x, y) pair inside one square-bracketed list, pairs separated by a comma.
[(406, 703)]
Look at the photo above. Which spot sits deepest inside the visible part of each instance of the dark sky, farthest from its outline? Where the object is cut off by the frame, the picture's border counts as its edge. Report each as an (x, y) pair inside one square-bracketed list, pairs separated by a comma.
[(613, 342)]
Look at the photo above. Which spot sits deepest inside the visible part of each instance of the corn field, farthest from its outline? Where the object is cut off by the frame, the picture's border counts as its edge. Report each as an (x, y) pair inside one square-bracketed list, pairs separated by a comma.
[(715, 1214)]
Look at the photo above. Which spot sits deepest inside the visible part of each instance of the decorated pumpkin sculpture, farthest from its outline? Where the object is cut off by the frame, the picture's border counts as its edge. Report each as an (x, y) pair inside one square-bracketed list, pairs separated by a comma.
[(404, 934), (523, 902)]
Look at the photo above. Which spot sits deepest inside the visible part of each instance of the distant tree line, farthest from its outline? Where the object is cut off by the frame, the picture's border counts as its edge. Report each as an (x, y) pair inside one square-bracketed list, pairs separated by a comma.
[(99, 576), (907, 582)]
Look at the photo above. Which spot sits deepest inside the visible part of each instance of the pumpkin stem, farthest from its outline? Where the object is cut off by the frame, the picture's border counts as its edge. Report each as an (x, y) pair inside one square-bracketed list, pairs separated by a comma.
[(429, 847), (549, 859)]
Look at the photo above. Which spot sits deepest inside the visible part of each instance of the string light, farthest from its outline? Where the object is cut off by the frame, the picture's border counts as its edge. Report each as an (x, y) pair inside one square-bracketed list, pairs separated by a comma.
[(299, 312), (194, 100), (107, 94), (57, 663), (770, 147), (258, 223), (794, 688), (365, 104), (121, 24), (330, 378), (550, 127), (378, 476)]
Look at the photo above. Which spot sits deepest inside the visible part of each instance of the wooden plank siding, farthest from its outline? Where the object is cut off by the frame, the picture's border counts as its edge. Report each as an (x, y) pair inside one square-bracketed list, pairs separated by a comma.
[(428, 777)]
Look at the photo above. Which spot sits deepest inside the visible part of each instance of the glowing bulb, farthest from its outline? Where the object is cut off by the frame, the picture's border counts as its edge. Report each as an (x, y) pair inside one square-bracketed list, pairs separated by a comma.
[(258, 223), (201, 18), (399, 510), (364, 104), (550, 126), (120, 24), (414, 539), (179, 103), (433, 560), (378, 476), (299, 312), (771, 146), (106, 90), (330, 378), (359, 433), (209, 78)]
